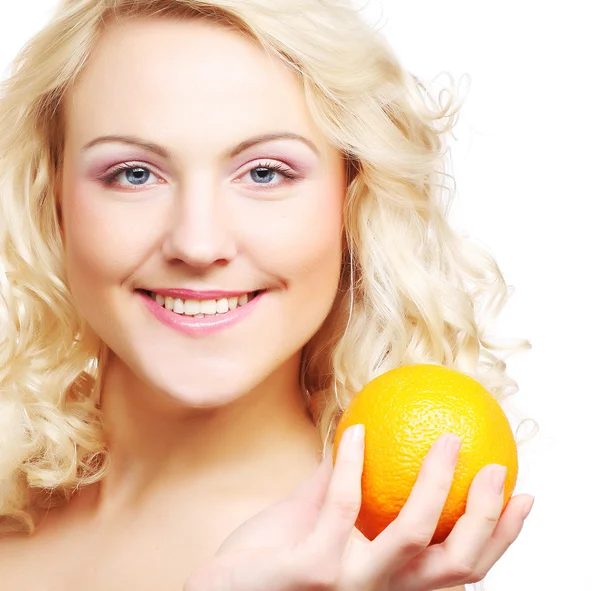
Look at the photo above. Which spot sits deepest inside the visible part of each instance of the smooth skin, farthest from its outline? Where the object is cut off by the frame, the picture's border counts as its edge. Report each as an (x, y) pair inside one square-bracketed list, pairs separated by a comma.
[(216, 483)]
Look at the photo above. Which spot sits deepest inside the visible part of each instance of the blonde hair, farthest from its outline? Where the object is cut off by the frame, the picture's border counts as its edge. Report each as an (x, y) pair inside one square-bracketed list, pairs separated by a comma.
[(411, 290)]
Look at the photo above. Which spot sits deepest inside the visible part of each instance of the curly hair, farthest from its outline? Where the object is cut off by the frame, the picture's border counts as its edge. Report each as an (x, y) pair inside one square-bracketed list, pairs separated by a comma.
[(411, 290)]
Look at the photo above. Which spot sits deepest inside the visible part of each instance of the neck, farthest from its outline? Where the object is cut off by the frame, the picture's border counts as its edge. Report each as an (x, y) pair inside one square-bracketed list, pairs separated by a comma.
[(156, 443)]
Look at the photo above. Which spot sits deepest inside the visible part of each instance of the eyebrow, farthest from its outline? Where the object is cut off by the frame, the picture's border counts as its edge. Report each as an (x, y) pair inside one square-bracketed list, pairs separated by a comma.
[(232, 153)]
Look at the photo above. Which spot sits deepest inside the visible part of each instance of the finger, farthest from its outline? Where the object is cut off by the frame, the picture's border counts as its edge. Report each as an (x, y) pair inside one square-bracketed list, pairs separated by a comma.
[(411, 532), (433, 568), (508, 529), (471, 533), (342, 502)]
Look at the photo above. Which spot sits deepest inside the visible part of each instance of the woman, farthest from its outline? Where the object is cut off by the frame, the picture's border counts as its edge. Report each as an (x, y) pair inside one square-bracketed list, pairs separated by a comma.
[(219, 220)]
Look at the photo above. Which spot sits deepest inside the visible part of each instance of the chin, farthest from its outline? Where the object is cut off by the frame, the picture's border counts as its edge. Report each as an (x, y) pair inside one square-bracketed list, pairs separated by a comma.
[(204, 396), (198, 393), (204, 388)]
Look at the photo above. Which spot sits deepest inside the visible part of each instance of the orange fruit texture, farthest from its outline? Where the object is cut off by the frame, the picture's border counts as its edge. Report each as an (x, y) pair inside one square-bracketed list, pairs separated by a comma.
[(404, 411)]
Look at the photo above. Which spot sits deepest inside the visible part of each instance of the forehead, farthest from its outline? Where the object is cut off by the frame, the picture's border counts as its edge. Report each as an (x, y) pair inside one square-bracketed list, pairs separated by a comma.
[(181, 77)]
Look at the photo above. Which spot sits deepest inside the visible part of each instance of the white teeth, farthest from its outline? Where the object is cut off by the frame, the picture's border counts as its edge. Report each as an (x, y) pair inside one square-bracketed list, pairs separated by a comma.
[(178, 307), (208, 307), (191, 307), (200, 309)]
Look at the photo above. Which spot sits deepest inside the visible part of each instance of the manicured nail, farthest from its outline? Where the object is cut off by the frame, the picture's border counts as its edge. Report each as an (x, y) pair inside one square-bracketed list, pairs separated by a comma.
[(452, 446), (498, 478), (527, 508), (355, 435)]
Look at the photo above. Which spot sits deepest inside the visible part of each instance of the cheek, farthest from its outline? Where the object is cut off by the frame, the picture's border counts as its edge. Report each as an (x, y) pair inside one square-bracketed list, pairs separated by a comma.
[(303, 243), (103, 240)]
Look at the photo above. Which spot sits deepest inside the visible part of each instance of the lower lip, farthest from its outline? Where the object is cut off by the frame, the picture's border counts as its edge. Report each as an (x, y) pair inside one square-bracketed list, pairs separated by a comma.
[(198, 327)]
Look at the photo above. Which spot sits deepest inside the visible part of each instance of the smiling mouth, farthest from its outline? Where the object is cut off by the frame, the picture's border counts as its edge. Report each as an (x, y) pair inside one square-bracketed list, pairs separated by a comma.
[(201, 308)]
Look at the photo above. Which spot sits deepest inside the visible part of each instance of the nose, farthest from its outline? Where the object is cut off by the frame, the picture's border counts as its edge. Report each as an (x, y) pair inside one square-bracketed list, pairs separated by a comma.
[(199, 231)]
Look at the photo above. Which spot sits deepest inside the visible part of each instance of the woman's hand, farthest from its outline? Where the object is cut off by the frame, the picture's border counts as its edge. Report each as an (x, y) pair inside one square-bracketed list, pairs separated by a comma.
[(309, 541)]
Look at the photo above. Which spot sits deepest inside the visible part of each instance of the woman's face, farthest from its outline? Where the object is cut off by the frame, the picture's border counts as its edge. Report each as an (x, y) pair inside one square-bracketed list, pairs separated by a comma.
[(201, 208)]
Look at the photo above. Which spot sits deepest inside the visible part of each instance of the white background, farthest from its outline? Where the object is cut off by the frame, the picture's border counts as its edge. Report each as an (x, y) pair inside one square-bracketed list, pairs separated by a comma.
[(526, 165)]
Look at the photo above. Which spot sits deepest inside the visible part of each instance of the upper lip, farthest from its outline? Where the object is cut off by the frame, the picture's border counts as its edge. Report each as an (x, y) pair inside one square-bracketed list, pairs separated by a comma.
[(190, 294)]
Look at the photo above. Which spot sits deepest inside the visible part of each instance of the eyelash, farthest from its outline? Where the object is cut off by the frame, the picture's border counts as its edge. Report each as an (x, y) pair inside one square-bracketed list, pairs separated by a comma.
[(284, 171), (110, 177)]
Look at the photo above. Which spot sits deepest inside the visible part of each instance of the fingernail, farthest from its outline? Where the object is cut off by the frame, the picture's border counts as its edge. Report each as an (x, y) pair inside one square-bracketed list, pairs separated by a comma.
[(527, 508), (498, 477), (452, 447), (355, 435)]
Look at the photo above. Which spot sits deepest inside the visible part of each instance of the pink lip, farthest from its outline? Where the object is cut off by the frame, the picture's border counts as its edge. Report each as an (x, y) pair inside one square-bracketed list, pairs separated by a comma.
[(188, 294), (198, 327)]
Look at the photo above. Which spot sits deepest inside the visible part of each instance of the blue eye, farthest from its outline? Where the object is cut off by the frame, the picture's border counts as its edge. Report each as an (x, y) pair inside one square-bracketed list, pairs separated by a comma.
[(137, 176), (128, 175), (263, 175), (270, 174)]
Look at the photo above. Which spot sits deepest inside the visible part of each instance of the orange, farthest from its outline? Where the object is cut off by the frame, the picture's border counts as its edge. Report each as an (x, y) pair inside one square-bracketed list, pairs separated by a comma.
[(404, 411)]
